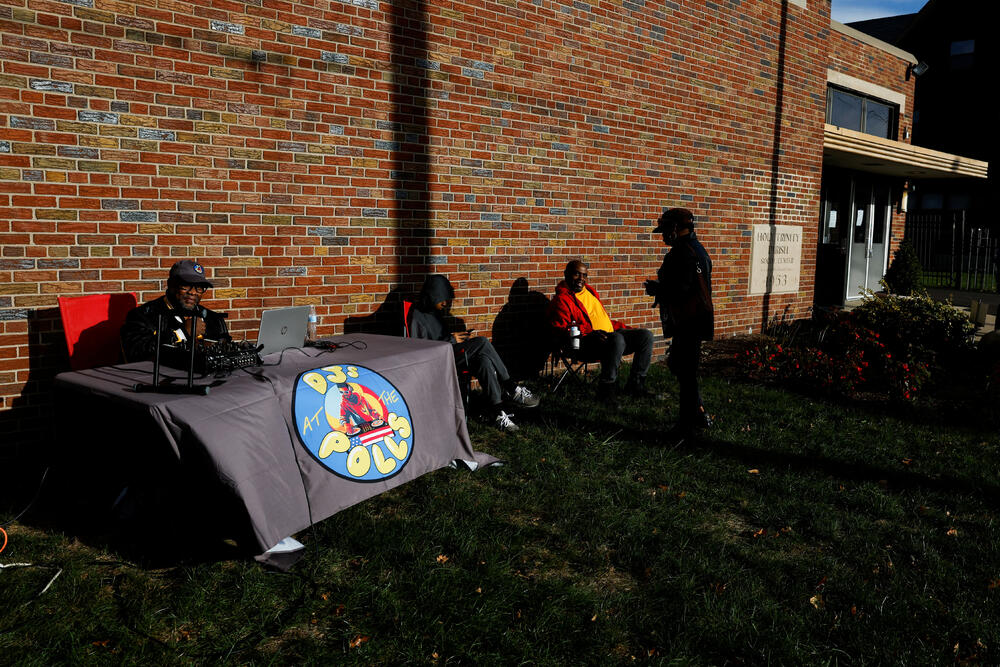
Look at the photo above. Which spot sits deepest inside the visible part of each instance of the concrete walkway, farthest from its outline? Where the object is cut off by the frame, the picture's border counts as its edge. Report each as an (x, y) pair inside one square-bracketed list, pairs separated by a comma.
[(963, 301)]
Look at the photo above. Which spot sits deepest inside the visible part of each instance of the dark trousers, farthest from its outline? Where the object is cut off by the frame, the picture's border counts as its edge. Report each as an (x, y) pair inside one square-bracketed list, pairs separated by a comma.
[(485, 364), (685, 354), (637, 342)]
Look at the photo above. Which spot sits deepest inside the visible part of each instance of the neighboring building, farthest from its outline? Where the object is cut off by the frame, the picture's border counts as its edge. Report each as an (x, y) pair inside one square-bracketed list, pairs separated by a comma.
[(954, 112), (332, 153)]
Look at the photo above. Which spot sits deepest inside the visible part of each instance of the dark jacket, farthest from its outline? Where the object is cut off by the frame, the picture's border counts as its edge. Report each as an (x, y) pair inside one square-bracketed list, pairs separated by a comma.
[(426, 321), (565, 308), (138, 334), (685, 305)]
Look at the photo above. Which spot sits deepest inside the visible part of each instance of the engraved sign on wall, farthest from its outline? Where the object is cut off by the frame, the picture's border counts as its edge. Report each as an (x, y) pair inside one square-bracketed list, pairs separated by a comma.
[(775, 259)]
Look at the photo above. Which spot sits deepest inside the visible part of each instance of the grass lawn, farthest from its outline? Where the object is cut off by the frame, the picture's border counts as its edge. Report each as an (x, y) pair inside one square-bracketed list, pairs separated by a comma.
[(984, 281), (801, 532)]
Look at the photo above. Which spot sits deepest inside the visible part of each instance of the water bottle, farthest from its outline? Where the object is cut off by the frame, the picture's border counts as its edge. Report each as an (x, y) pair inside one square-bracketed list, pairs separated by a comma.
[(311, 325), (574, 336)]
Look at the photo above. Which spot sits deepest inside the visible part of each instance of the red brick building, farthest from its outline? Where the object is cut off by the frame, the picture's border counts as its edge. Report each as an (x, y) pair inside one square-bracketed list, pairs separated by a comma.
[(329, 152)]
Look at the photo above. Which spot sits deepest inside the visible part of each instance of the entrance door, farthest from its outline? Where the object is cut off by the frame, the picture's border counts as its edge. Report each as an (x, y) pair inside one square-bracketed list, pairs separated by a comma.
[(878, 249), (835, 238), (869, 224)]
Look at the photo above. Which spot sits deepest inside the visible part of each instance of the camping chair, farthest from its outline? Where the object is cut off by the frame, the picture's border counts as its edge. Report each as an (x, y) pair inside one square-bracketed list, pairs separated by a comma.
[(574, 363), (92, 325), (464, 375), (563, 356)]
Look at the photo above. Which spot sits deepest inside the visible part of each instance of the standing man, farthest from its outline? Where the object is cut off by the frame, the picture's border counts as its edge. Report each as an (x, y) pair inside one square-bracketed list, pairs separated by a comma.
[(602, 338), (186, 285), (683, 290)]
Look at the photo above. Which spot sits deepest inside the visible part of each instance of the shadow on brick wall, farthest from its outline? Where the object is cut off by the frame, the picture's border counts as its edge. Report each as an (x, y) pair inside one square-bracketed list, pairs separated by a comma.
[(409, 122), (521, 331), (386, 320), (776, 153), (27, 444)]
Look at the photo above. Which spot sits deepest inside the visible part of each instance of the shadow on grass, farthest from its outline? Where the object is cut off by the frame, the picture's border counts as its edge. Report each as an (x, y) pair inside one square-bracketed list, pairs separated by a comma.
[(753, 456)]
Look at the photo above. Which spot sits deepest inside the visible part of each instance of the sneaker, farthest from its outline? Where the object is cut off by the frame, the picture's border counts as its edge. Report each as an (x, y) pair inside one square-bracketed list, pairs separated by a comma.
[(522, 397), (505, 423)]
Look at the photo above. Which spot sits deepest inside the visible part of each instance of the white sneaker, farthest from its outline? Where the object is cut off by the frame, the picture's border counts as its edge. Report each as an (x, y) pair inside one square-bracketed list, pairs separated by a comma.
[(505, 423), (523, 397)]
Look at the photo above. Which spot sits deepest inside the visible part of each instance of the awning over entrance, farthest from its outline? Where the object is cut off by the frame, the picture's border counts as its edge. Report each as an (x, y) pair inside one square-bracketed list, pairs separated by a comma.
[(863, 152)]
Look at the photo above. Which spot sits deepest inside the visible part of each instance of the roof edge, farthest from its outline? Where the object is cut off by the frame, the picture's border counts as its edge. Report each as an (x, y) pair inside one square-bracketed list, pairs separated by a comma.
[(871, 41)]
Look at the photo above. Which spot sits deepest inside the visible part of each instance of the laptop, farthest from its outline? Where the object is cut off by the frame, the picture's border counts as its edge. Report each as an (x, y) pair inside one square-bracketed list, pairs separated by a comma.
[(282, 328)]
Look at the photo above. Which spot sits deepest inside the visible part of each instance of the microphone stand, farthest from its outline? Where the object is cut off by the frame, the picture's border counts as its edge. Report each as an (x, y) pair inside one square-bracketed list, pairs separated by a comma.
[(193, 343), (189, 388), (156, 357)]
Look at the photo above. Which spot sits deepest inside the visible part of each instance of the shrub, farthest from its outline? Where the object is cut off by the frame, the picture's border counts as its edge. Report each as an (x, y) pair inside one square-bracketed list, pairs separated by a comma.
[(890, 345), (846, 359), (905, 275), (916, 321)]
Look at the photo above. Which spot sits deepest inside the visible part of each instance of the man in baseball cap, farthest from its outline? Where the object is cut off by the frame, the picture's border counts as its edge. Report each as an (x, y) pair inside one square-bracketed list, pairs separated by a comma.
[(186, 285), (683, 291)]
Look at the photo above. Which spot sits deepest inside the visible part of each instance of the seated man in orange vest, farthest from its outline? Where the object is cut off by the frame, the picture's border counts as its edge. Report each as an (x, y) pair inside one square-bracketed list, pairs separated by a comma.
[(602, 339)]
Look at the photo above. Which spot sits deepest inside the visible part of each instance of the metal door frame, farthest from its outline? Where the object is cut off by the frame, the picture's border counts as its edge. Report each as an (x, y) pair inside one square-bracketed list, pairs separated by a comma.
[(869, 235)]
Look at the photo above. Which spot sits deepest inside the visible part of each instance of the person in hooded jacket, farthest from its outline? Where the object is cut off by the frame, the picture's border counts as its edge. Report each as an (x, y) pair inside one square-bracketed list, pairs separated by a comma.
[(683, 291), (431, 319)]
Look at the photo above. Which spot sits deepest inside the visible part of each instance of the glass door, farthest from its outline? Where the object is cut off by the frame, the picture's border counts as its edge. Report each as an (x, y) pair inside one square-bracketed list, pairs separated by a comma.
[(871, 213)]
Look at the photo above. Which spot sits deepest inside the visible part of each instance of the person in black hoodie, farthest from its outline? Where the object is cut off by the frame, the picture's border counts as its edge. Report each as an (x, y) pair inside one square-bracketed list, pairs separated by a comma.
[(683, 291), (431, 319)]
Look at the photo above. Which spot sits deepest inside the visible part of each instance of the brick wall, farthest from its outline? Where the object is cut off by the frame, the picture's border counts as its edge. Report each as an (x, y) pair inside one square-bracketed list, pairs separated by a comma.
[(330, 152)]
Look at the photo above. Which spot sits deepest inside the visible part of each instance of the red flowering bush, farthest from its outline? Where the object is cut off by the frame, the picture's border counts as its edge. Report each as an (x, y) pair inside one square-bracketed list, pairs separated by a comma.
[(809, 367), (838, 354)]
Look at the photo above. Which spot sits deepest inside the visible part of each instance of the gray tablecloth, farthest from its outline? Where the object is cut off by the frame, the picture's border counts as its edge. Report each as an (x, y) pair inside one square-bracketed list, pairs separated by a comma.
[(337, 426)]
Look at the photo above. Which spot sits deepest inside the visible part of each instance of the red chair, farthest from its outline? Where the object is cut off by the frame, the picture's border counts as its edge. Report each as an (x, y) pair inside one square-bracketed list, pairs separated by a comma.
[(407, 306), (92, 325)]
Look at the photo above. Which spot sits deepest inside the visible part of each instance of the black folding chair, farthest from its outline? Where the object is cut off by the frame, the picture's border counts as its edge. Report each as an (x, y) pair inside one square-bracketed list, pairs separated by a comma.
[(567, 362)]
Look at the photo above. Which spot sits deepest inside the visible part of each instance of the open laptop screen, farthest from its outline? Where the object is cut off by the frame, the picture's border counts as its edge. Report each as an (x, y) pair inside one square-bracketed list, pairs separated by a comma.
[(282, 328)]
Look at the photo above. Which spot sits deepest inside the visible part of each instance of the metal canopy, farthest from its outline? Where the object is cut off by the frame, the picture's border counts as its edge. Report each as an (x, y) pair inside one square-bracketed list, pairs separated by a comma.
[(864, 152)]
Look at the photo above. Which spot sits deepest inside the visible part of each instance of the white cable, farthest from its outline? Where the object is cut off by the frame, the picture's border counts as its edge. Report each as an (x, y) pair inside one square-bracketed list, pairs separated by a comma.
[(54, 577)]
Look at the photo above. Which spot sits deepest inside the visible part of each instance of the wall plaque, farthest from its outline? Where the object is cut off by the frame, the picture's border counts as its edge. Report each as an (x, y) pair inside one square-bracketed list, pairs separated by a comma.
[(775, 259)]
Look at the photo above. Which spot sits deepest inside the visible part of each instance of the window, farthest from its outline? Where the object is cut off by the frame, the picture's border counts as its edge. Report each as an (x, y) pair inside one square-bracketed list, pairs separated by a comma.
[(962, 53), (860, 113)]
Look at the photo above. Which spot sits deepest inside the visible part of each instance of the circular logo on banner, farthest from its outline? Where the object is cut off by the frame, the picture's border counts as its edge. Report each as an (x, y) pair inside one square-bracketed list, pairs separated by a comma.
[(353, 421)]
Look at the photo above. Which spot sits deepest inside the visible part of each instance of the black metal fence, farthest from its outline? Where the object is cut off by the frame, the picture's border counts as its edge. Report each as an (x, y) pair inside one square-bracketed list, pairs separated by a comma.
[(953, 252)]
